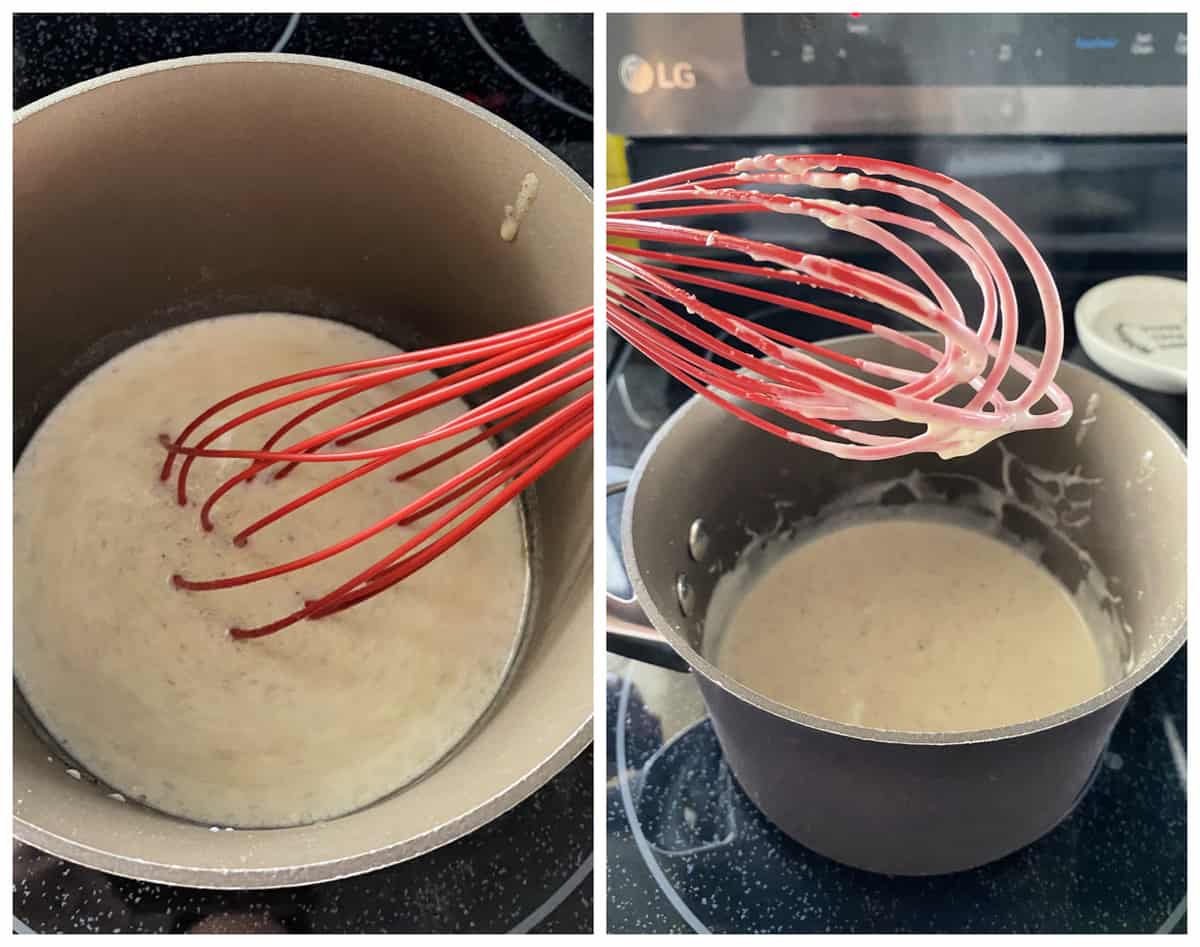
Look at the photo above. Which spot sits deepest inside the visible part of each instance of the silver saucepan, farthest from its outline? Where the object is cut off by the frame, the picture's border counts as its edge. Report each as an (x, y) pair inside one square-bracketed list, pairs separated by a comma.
[(1103, 499), (235, 183)]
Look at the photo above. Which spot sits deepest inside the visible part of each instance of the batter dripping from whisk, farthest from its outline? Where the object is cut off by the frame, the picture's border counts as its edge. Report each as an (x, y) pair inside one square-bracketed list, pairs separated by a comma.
[(806, 382), (141, 683)]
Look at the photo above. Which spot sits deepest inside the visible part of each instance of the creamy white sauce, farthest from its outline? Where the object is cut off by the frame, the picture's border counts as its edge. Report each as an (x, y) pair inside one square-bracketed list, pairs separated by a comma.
[(907, 624), (142, 684)]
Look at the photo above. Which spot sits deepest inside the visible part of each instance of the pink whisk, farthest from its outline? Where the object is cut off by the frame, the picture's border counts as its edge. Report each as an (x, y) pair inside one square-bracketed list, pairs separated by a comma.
[(472, 496), (806, 381)]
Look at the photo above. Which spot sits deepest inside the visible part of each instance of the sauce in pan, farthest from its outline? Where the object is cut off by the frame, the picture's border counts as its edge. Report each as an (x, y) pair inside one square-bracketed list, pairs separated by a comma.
[(909, 624), (142, 684)]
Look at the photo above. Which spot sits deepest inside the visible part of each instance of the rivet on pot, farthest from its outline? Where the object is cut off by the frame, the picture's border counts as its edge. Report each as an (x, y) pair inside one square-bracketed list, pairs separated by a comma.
[(685, 595), (698, 540)]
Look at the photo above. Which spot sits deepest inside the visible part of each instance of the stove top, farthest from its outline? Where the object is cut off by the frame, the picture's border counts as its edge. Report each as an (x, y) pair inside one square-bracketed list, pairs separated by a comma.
[(490, 59), (532, 868), (688, 851), (529, 870)]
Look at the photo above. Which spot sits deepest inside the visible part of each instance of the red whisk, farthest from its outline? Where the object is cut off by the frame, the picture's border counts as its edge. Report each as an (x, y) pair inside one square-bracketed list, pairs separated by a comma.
[(805, 381), (472, 496)]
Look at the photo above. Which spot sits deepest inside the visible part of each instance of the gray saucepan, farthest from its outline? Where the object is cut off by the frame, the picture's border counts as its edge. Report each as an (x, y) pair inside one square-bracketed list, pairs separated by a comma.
[(1103, 497), (249, 182)]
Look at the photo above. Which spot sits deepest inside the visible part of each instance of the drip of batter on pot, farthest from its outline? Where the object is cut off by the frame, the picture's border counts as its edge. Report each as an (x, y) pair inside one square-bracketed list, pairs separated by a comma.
[(141, 683), (910, 625), (515, 213)]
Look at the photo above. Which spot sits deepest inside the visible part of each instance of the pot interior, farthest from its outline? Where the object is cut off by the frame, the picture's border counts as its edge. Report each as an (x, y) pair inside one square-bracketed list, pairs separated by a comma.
[(250, 183), (1100, 503)]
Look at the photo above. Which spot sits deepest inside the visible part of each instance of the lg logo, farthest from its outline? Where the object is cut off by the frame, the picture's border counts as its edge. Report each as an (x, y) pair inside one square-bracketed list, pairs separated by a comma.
[(639, 76)]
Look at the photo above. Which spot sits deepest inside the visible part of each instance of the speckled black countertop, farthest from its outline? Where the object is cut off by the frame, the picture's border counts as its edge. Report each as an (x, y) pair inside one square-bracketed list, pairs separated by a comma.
[(531, 869), (687, 851), (52, 51)]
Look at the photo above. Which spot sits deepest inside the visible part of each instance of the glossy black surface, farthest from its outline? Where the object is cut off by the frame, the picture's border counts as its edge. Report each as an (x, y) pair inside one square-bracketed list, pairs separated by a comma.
[(530, 869), (1117, 863), (52, 51), (966, 49)]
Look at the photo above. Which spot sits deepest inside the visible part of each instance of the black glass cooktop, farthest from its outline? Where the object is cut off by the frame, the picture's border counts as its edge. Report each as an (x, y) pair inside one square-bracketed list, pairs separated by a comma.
[(491, 59), (688, 851), (531, 869)]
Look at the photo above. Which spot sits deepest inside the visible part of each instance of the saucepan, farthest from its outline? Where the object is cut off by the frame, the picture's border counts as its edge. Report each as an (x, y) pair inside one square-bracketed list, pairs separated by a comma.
[(234, 183), (1102, 499)]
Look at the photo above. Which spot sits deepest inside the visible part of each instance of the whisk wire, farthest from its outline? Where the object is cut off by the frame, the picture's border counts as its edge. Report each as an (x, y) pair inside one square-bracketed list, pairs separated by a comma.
[(409, 557), (425, 359), (465, 500), (652, 280)]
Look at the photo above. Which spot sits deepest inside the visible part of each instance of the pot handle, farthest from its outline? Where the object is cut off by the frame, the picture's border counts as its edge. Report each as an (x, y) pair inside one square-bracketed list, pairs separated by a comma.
[(630, 633)]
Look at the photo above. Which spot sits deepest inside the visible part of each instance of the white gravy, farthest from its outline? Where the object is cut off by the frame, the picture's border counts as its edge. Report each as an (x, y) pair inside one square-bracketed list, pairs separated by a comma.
[(142, 684), (908, 624)]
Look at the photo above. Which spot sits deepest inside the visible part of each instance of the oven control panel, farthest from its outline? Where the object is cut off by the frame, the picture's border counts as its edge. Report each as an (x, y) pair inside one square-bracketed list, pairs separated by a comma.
[(785, 75), (938, 49)]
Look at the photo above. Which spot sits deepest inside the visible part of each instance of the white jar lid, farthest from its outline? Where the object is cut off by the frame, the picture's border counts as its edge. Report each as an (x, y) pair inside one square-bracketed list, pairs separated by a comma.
[(1135, 328)]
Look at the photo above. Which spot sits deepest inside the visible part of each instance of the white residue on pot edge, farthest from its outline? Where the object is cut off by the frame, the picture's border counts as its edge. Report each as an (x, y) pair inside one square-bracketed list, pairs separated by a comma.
[(1057, 505), (1088, 419), (513, 213), (1145, 467), (1059, 500)]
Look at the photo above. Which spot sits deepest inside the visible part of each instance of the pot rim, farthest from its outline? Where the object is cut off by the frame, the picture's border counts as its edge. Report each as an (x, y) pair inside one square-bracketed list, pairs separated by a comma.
[(333, 869), (384, 855), (698, 662)]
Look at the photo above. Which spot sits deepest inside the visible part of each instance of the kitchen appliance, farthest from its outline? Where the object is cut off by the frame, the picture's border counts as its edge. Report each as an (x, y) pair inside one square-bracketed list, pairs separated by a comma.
[(1099, 190), (786, 74), (298, 117)]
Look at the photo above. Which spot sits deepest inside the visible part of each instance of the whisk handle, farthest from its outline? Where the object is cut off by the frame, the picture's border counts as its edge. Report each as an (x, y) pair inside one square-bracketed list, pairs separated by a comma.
[(640, 642)]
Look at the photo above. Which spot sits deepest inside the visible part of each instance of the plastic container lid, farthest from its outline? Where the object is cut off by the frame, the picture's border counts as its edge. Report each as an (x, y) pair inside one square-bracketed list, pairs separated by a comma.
[(1135, 328)]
